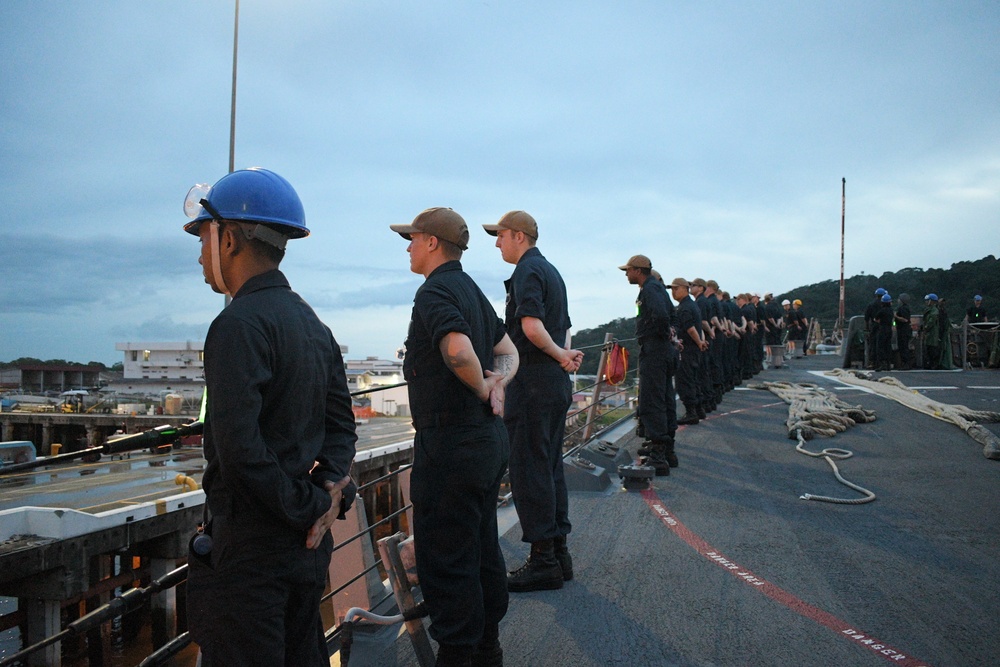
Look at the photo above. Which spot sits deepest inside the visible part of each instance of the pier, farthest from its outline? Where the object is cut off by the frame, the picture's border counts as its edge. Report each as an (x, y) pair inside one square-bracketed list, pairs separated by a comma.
[(71, 535), (77, 431)]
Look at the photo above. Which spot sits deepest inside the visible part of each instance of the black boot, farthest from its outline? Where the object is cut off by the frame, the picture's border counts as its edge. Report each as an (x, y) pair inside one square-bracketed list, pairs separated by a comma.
[(658, 459), (702, 410), (670, 455), (562, 555), (541, 572), (690, 415), (643, 449)]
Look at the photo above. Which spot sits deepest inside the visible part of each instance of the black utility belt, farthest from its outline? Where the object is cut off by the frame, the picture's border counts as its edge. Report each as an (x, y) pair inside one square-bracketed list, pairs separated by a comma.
[(471, 417)]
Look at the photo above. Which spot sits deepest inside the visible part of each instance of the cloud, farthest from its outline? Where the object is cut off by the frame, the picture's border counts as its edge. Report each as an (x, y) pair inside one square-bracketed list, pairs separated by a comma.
[(49, 273), (161, 328)]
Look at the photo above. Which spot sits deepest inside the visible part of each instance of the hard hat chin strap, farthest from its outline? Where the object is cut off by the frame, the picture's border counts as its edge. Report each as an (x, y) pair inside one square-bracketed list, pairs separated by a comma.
[(220, 282)]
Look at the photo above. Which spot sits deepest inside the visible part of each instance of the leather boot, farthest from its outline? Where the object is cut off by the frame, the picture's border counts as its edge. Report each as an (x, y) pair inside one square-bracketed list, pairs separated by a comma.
[(690, 415), (658, 459), (670, 455), (562, 555), (643, 449), (541, 572), (704, 409)]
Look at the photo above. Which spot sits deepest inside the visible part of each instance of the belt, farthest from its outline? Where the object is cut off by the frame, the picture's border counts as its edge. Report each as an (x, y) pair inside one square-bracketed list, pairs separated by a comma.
[(471, 417)]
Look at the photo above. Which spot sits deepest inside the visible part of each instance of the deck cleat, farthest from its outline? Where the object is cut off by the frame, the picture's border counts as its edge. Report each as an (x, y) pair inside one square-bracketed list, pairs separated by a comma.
[(636, 477)]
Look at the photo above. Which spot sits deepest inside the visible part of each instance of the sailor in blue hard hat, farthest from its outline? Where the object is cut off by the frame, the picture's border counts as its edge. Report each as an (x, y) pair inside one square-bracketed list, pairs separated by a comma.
[(883, 335), (870, 328), (257, 203), (976, 313), (279, 436)]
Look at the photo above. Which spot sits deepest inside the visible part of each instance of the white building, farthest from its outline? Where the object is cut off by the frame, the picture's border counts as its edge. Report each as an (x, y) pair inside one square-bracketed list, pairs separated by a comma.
[(163, 361), (373, 373)]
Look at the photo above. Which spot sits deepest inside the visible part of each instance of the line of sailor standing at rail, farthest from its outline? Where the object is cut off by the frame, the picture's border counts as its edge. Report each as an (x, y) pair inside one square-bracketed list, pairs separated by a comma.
[(707, 344)]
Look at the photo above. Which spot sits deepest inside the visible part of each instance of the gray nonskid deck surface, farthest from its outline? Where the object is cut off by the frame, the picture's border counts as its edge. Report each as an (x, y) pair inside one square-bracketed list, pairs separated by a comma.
[(913, 572)]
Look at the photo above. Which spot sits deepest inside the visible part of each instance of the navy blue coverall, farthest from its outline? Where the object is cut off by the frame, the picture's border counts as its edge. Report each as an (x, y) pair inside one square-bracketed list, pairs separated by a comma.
[(460, 454), (278, 405), (657, 361), (537, 400), (689, 382)]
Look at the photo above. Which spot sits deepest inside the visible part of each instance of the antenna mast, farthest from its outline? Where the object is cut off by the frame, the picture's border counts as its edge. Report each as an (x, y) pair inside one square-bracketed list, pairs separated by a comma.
[(840, 313)]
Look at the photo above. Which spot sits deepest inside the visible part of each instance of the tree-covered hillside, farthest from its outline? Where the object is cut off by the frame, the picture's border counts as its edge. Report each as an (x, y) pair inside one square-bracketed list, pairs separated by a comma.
[(958, 284)]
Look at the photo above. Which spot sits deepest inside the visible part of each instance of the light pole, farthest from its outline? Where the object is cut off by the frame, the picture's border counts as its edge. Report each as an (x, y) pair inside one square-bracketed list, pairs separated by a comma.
[(232, 108)]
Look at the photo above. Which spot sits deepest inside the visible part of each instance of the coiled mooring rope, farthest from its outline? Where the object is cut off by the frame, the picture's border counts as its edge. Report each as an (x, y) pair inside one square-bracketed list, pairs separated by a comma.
[(813, 411), (963, 417), (831, 453)]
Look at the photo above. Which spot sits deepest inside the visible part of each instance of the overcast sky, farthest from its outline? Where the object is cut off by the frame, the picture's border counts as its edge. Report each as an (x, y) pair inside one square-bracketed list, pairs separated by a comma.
[(711, 137)]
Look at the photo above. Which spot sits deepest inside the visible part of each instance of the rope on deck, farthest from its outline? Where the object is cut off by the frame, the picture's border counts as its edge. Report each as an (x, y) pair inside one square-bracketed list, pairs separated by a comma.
[(813, 411), (959, 415)]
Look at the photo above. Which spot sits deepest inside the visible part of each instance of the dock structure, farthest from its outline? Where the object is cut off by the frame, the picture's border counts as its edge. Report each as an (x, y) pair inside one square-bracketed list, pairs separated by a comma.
[(55, 557), (76, 430), (73, 534)]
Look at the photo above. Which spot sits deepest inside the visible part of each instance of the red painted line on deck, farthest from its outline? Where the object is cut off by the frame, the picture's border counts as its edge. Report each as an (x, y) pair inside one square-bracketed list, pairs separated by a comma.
[(777, 593)]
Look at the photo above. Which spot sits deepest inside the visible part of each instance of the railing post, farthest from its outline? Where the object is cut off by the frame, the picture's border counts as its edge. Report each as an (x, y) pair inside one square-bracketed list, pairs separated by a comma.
[(99, 637), (163, 606), (42, 621), (389, 549), (352, 558), (965, 345), (595, 399)]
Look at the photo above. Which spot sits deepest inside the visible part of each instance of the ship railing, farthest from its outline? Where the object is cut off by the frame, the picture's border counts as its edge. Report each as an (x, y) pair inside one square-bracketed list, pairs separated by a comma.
[(357, 576)]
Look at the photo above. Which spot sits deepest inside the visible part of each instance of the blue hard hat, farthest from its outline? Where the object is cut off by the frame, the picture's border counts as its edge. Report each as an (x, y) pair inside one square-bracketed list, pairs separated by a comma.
[(977, 298), (886, 298), (931, 297), (880, 291), (252, 195)]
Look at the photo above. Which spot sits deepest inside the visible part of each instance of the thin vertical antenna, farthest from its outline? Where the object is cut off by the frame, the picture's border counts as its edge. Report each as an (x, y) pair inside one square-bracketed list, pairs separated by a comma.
[(843, 207)]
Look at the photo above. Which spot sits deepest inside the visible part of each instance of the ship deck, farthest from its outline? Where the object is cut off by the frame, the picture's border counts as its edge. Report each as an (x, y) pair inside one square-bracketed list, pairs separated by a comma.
[(722, 563)]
